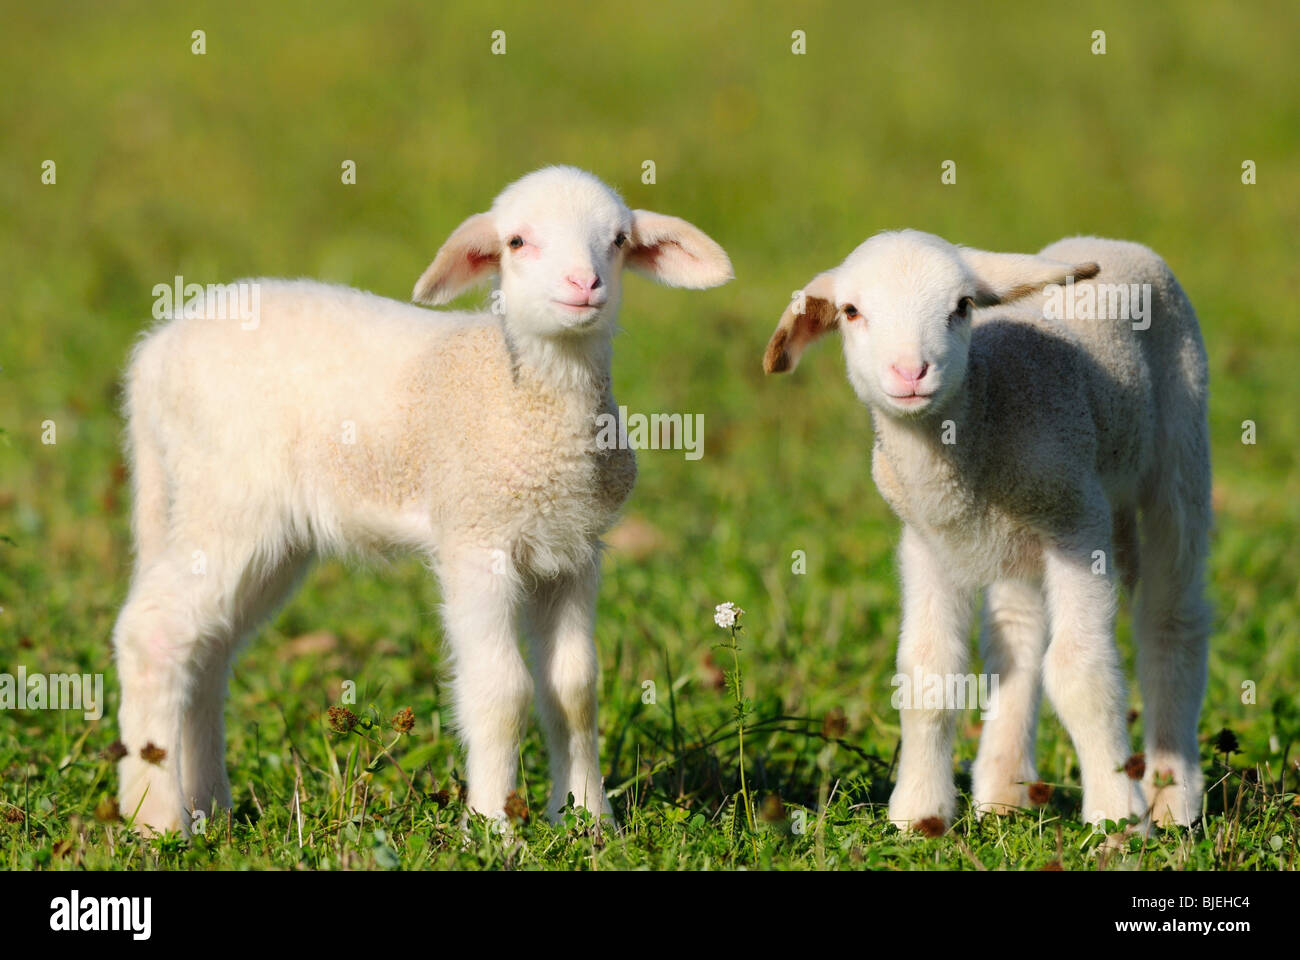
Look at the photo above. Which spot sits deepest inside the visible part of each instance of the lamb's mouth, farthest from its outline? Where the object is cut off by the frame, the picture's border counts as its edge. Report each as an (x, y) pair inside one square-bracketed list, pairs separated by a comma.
[(579, 316), (911, 400), (578, 307)]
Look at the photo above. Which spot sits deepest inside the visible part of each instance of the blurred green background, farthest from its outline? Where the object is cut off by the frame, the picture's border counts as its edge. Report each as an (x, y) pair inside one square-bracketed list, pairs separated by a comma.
[(228, 164)]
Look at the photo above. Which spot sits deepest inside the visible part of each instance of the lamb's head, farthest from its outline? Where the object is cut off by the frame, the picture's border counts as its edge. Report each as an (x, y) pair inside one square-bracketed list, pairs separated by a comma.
[(903, 303), (557, 241)]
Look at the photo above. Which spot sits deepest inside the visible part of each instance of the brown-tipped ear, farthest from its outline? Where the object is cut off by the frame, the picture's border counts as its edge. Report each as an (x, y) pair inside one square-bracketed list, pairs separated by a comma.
[(811, 314), (1004, 277), (469, 257)]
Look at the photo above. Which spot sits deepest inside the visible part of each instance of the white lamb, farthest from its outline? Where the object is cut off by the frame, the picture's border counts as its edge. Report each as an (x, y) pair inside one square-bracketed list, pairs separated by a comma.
[(1018, 449), (345, 422)]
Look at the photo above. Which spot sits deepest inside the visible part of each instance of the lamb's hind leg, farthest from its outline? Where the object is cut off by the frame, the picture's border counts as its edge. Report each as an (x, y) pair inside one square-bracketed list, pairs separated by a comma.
[(154, 642), (1012, 643), (1172, 626), (1082, 674), (173, 641), (259, 593), (174, 626)]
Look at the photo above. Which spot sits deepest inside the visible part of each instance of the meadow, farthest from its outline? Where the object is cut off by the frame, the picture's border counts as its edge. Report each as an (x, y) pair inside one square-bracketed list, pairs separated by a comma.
[(229, 163)]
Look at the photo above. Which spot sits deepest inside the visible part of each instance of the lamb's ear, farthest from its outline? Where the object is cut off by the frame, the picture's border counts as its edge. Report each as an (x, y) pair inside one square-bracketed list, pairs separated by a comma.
[(469, 257), (676, 253), (1003, 277), (811, 314)]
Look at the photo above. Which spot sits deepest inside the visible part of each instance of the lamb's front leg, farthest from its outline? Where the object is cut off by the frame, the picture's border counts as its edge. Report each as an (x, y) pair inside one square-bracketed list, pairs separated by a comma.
[(561, 620), (933, 643), (490, 683), (1083, 677)]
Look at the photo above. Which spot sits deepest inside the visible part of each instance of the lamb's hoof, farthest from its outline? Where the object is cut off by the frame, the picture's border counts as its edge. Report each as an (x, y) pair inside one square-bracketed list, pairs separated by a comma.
[(1003, 802), (602, 821), (1171, 813), (922, 812), (498, 821), (152, 819), (157, 827), (1000, 808), (914, 801), (1126, 804), (1176, 803), (929, 826)]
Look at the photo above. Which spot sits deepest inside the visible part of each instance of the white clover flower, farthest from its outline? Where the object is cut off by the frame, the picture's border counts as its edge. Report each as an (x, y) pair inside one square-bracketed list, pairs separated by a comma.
[(726, 614)]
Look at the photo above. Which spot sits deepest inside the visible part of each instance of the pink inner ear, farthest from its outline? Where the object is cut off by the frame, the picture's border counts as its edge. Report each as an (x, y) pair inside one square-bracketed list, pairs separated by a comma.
[(651, 256)]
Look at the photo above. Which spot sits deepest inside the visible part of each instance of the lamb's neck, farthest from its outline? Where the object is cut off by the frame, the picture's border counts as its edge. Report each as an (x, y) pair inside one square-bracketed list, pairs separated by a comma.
[(936, 445), (577, 365)]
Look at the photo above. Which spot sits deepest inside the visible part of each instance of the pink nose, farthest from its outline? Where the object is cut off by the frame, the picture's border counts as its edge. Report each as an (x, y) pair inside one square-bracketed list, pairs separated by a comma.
[(583, 282), (910, 375)]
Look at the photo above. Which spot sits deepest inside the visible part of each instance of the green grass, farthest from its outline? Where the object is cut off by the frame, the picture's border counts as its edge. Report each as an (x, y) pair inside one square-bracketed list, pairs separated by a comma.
[(228, 164)]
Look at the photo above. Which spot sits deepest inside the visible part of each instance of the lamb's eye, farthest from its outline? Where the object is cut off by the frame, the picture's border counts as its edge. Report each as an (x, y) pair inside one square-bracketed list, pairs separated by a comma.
[(620, 240), (516, 243), (962, 310), (850, 311)]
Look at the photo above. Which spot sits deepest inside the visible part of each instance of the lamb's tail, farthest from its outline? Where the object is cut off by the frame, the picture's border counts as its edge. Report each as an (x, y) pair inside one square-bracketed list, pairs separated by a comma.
[(1177, 500), (149, 488)]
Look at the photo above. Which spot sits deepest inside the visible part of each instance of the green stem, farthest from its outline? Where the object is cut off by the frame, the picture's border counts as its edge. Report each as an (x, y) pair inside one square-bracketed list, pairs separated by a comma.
[(740, 727)]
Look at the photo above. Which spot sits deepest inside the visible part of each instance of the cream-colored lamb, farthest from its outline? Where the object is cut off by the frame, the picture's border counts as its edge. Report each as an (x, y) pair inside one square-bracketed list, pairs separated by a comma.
[(1018, 438), (344, 422)]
